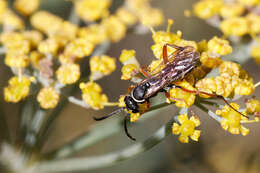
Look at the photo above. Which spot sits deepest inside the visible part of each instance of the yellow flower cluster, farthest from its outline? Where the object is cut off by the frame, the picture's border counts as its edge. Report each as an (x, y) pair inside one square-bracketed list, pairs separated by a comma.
[(18, 88), (253, 106), (236, 18), (26, 7), (233, 80), (48, 98), (92, 95), (232, 120), (186, 128)]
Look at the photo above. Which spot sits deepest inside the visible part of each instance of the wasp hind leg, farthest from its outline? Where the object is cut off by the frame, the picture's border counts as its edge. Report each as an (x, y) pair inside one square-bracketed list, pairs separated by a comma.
[(165, 52)]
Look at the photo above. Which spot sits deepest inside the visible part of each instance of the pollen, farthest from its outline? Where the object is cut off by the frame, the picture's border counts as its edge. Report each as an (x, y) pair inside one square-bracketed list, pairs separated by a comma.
[(115, 28), (207, 8), (134, 117), (48, 98), (18, 88), (232, 120), (236, 26), (182, 98), (92, 95), (219, 46), (90, 10), (79, 48), (101, 66), (127, 71), (186, 128), (68, 73)]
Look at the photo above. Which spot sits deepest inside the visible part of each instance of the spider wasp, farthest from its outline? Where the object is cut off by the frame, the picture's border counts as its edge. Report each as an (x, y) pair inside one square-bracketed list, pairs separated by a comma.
[(176, 67)]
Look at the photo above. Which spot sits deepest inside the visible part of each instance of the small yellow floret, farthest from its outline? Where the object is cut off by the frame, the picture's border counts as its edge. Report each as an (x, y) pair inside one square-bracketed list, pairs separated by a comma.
[(126, 16), (182, 98), (253, 106), (219, 46), (90, 10), (114, 27), (94, 33), (68, 73), (92, 95), (249, 2), (17, 60), (232, 10), (101, 66), (236, 26), (187, 128), (49, 46), (207, 8), (26, 7), (127, 71), (232, 120), (79, 48), (48, 98), (18, 88)]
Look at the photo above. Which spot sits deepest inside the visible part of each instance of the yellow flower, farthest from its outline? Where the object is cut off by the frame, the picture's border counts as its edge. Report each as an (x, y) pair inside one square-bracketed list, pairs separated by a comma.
[(90, 10), (134, 117), (187, 128), (224, 85), (236, 26), (182, 98), (48, 98), (254, 23), (114, 27), (68, 73), (207, 8), (128, 57), (244, 87), (94, 33), (230, 67), (232, 10), (255, 52), (79, 48), (253, 106), (210, 61), (26, 7), (121, 102), (207, 85), (127, 71), (101, 66), (17, 89), (15, 42), (92, 95), (151, 16), (11, 21), (49, 46), (249, 2), (35, 58), (126, 16), (17, 60), (33, 36), (219, 46), (232, 120)]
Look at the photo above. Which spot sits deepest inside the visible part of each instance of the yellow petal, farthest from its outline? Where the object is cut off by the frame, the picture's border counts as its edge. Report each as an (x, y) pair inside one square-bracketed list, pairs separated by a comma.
[(224, 124), (182, 118), (184, 139), (244, 131), (196, 120), (175, 129), (234, 130), (195, 136)]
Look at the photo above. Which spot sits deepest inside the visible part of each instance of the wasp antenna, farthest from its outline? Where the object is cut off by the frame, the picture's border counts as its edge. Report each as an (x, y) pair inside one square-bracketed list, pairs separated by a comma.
[(109, 115), (219, 96), (126, 130)]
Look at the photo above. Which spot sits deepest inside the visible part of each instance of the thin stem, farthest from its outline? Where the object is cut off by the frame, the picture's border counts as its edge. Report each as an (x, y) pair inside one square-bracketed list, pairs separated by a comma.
[(78, 102), (87, 139), (88, 163), (209, 112)]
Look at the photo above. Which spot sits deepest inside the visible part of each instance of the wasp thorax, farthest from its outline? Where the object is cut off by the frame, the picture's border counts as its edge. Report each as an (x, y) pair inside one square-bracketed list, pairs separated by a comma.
[(138, 92)]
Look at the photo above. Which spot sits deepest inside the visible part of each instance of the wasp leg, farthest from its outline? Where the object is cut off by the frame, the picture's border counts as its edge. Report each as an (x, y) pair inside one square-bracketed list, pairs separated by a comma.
[(165, 53), (144, 72), (212, 95), (126, 130), (167, 95), (130, 89)]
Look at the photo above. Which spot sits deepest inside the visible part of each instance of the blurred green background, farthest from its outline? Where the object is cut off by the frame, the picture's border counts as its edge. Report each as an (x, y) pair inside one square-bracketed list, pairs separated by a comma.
[(217, 150)]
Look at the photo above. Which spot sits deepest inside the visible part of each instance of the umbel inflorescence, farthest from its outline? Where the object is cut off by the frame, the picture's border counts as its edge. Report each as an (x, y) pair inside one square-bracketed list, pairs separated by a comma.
[(237, 19), (49, 57)]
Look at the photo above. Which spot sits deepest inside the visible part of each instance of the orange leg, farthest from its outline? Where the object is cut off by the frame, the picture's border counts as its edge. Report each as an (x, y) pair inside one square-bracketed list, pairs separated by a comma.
[(144, 71), (165, 53), (130, 89), (212, 95)]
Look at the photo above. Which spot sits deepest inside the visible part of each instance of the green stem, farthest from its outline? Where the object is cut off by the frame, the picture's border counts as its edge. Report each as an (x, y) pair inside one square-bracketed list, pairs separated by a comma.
[(88, 163), (113, 126)]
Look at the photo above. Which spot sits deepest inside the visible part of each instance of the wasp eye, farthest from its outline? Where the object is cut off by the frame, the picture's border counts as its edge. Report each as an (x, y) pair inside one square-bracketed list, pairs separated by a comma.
[(131, 104), (139, 92)]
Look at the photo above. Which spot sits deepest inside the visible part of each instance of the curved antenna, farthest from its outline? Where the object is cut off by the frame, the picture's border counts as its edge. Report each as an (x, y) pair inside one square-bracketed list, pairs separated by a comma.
[(109, 115), (126, 130)]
